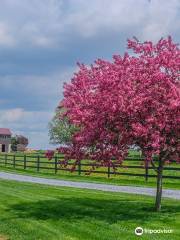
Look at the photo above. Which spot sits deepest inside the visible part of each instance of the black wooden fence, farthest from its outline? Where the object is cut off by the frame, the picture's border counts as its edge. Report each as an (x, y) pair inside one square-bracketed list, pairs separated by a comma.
[(23, 161)]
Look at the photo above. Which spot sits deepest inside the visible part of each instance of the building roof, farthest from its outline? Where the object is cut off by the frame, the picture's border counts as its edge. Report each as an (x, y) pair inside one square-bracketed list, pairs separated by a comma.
[(5, 131)]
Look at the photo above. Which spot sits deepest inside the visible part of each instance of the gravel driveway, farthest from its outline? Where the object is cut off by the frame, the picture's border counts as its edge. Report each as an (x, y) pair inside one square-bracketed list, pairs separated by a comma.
[(175, 194)]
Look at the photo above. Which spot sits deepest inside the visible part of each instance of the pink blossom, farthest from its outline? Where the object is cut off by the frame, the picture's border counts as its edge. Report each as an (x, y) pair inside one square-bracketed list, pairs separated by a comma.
[(49, 154), (131, 100)]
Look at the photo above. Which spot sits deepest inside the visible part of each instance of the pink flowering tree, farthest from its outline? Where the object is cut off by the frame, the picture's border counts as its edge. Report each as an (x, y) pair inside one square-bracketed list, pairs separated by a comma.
[(135, 99)]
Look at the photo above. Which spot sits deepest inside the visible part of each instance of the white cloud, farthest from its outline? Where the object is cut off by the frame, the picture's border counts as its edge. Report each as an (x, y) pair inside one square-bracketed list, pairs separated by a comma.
[(22, 119), (48, 23), (146, 19), (45, 86), (34, 22), (91, 18), (11, 115), (163, 18), (5, 38)]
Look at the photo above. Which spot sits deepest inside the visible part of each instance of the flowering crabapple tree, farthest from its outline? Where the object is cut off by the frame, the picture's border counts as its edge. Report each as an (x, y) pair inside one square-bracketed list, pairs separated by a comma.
[(135, 99)]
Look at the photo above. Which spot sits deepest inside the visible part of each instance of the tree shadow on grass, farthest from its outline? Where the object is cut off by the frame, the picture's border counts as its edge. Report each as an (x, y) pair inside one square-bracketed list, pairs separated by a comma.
[(110, 211)]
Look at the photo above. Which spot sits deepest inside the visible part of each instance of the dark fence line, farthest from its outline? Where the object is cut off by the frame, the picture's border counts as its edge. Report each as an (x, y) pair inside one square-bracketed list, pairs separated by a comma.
[(11, 160)]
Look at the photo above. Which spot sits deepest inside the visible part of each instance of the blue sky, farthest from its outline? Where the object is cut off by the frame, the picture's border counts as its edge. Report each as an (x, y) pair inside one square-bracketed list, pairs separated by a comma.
[(41, 41)]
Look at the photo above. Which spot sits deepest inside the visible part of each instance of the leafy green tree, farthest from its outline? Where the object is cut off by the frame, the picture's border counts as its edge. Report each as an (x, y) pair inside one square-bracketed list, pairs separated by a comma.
[(14, 143), (19, 143), (60, 129)]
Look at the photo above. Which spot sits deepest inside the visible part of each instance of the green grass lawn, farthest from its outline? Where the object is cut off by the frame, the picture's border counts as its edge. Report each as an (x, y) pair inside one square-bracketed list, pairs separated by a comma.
[(39, 212)]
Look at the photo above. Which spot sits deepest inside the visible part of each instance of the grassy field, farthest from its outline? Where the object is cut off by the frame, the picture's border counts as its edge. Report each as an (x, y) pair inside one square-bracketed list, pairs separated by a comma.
[(31, 168), (39, 212)]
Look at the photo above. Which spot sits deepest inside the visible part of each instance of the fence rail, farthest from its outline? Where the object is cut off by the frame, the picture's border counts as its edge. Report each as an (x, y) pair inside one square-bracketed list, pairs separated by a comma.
[(15, 160)]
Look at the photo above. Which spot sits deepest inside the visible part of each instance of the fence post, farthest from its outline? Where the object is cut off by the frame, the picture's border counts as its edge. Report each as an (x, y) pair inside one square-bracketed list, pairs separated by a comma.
[(109, 171), (14, 161), (146, 171), (5, 162), (79, 168), (24, 161), (55, 165), (38, 163)]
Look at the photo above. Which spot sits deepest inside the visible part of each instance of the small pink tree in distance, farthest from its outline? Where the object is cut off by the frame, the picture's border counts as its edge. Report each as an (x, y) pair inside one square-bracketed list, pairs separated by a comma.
[(135, 99)]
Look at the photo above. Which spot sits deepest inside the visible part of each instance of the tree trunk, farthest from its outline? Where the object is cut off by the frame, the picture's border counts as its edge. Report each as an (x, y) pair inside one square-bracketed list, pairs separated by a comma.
[(159, 186)]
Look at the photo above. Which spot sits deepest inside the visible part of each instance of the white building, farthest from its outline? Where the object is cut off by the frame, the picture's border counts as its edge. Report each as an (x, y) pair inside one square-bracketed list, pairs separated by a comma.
[(5, 140)]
